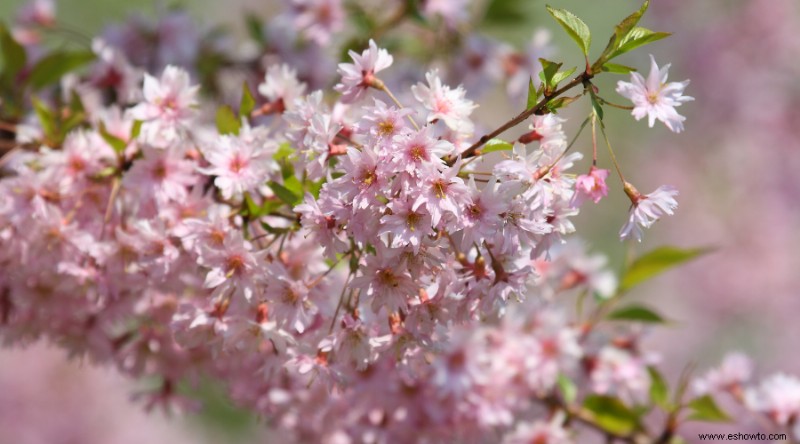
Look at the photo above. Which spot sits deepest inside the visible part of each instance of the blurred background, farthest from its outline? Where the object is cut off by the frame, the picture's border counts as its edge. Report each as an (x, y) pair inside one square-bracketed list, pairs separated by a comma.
[(736, 166)]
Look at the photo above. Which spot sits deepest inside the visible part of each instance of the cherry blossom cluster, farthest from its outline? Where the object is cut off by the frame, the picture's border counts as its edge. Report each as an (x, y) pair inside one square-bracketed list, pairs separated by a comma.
[(354, 265)]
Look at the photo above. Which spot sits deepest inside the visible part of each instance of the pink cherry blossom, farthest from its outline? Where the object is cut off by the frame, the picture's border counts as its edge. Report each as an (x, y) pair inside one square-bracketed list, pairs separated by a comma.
[(359, 76), (168, 106), (648, 209), (654, 97), (592, 186)]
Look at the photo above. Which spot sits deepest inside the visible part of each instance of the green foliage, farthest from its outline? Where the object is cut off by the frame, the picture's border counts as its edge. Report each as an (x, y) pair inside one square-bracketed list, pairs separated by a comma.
[(627, 37), (551, 76), (575, 27), (617, 69), (283, 193), (656, 262), (52, 67), (227, 122), (597, 107), (497, 145), (13, 57), (505, 13), (254, 27), (706, 409), (46, 118), (567, 388), (637, 37), (115, 142), (136, 129), (611, 414), (248, 103), (659, 391), (285, 151), (533, 95), (636, 313)]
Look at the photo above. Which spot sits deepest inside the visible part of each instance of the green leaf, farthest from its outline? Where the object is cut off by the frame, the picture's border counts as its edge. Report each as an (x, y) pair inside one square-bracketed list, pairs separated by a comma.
[(636, 313), (136, 129), (315, 187), (285, 194), (227, 122), (46, 117), (255, 28), (556, 104), (533, 94), (597, 106), (705, 408), (635, 38), (574, 26), (285, 151), (294, 185), (248, 103), (114, 141), (568, 389), (611, 414), (51, 68), (505, 12), (549, 69), (617, 69), (561, 76), (14, 57), (656, 262), (251, 207), (497, 145), (620, 32), (659, 391)]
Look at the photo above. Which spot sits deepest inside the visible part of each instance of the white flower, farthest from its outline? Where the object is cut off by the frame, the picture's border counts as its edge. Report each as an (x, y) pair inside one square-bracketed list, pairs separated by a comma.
[(647, 209), (357, 77), (778, 397), (445, 103), (281, 84), (735, 369), (238, 163), (168, 106), (655, 98)]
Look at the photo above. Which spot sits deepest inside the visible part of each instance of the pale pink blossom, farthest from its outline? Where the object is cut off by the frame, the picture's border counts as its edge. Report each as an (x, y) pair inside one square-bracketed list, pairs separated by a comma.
[(654, 97), (238, 166), (359, 76), (442, 102), (778, 397), (648, 209), (281, 86), (168, 107), (735, 370), (590, 186)]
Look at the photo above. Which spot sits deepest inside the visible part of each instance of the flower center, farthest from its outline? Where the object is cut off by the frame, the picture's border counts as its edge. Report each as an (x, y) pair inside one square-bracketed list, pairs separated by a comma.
[(368, 177), (237, 164), (412, 220), (385, 128), (417, 152), (234, 265), (386, 277), (440, 189)]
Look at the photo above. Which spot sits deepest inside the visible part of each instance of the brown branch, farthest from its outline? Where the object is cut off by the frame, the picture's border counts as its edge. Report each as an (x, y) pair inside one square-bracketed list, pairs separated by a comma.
[(537, 109)]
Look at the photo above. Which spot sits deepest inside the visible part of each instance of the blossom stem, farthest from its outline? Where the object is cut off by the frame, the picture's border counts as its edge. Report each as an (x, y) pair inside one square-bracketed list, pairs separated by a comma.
[(606, 102), (341, 302), (594, 139), (537, 109), (382, 86), (613, 156), (115, 187)]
